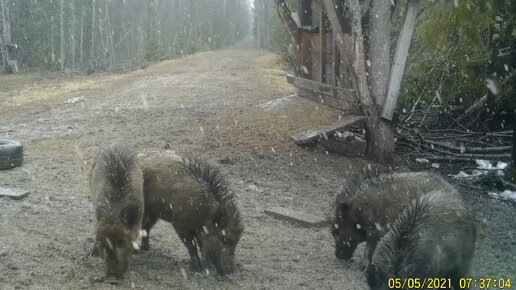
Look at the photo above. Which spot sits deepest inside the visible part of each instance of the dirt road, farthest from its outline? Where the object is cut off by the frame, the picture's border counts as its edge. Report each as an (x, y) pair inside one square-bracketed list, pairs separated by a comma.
[(221, 103)]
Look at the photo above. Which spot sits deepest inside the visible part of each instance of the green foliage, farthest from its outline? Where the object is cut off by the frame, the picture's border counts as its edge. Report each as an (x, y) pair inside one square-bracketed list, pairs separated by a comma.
[(279, 35), (154, 51), (456, 49)]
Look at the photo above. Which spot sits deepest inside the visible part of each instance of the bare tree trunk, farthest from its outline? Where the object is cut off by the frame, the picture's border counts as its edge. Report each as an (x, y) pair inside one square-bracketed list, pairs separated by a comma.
[(62, 33), (380, 138), (81, 43), (92, 48), (5, 34), (72, 32), (380, 49), (109, 37), (52, 51)]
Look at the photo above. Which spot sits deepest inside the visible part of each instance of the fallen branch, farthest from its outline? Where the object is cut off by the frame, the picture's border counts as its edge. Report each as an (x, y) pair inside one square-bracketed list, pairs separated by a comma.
[(471, 149), (459, 158)]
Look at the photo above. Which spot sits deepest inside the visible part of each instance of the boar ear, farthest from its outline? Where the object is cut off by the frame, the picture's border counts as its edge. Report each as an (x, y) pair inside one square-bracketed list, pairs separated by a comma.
[(129, 215)]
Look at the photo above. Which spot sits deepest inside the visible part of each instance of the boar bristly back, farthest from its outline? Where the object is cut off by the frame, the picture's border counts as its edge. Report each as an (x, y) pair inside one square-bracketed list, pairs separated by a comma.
[(117, 189), (222, 233), (434, 237)]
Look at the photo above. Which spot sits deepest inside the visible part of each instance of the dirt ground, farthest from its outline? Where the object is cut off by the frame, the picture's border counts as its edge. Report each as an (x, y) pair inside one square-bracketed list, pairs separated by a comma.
[(222, 103)]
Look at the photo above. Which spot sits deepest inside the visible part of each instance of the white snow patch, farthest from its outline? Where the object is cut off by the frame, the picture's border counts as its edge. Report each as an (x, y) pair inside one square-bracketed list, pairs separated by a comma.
[(253, 187), (508, 195), (491, 85), (484, 167), (277, 103), (76, 100), (183, 272), (305, 70), (461, 174), (422, 160)]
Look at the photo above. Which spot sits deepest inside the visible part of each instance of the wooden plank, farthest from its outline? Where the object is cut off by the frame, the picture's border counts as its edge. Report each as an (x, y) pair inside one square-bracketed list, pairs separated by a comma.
[(308, 135), (335, 52), (400, 60), (13, 193), (348, 95), (346, 107), (297, 217)]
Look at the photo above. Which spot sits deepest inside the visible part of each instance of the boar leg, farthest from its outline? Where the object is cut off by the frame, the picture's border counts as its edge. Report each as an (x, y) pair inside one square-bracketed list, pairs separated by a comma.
[(147, 224), (369, 250), (191, 245)]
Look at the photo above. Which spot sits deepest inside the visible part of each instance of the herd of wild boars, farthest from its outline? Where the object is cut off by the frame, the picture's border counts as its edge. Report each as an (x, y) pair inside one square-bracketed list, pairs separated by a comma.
[(131, 195), (415, 225)]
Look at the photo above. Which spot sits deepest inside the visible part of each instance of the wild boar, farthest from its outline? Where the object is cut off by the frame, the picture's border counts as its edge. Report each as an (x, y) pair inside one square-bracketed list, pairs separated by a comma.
[(370, 202), (117, 190), (193, 196), (434, 237)]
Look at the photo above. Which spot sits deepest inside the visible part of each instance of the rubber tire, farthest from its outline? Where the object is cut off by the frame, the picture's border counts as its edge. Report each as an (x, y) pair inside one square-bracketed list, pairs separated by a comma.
[(11, 154)]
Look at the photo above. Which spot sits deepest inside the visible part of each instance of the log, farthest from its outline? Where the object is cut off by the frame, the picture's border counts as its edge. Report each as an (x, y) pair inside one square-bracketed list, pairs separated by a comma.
[(400, 60), (13, 193), (296, 216), (308, 135)]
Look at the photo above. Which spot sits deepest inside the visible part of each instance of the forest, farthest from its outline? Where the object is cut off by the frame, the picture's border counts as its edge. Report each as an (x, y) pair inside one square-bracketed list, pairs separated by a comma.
[(111, 34)]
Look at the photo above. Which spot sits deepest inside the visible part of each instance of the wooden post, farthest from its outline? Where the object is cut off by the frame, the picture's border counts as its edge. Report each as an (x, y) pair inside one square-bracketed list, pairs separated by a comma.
[(339, 38), (400, 59), (322, 39), (305, 13)]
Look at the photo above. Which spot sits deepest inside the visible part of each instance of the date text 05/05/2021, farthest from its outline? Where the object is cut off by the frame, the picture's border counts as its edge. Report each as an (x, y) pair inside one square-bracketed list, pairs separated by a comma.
[(446, 283)]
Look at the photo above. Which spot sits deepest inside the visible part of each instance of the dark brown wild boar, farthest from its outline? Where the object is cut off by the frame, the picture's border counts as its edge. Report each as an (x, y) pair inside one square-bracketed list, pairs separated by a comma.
[(369, 203), (434, 237), (117, 190), (192, 195)]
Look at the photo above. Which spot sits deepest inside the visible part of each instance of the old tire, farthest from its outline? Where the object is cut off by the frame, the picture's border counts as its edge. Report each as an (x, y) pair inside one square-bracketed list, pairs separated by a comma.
[(11, 154)]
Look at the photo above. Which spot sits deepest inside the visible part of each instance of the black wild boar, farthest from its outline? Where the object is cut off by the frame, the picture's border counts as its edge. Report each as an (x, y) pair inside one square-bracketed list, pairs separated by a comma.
[(117, 190), (193, 195), (370, 202), (434, 237)]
